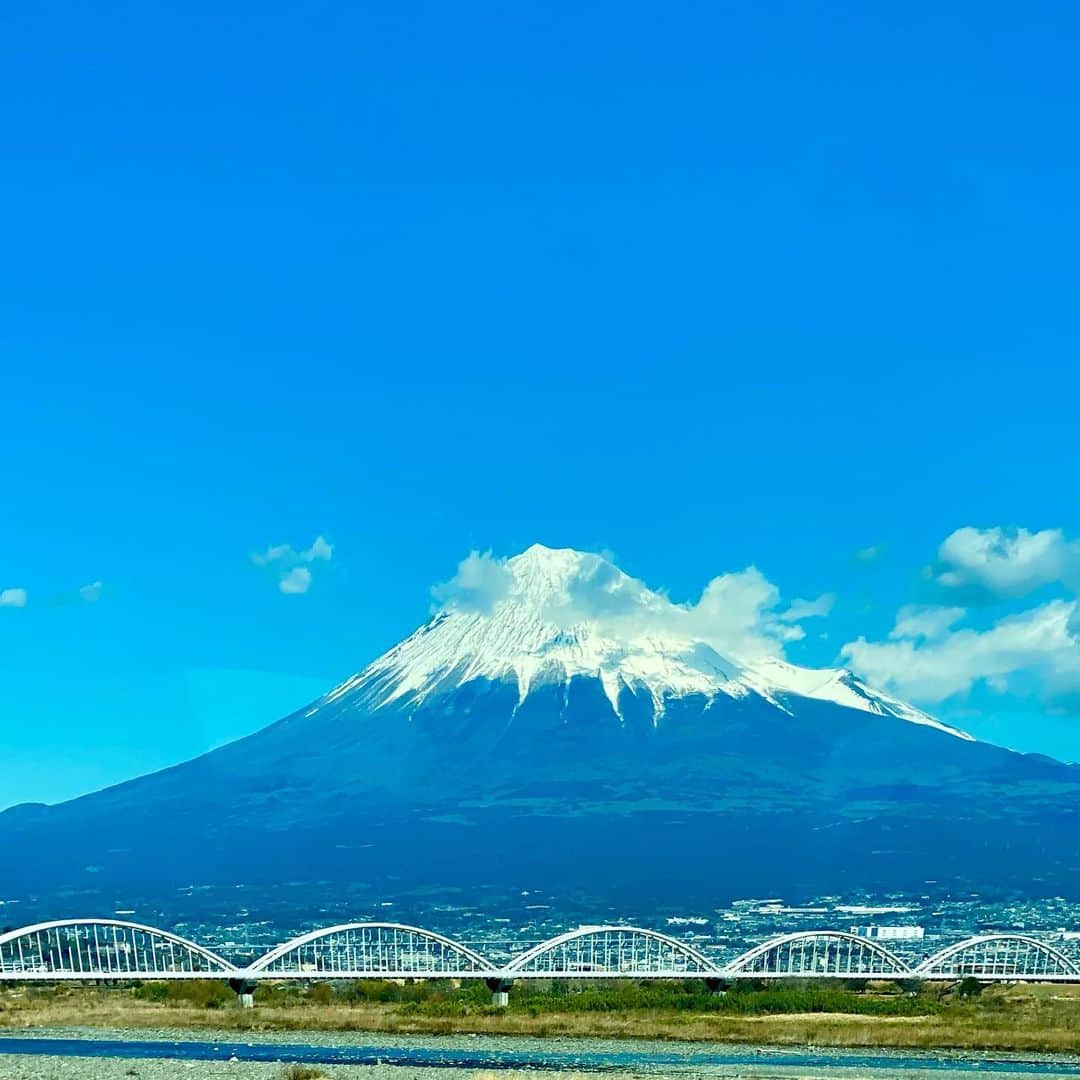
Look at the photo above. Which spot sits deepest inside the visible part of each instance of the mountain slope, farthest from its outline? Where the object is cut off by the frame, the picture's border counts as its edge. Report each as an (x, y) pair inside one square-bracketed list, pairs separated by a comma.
[(567, 724)]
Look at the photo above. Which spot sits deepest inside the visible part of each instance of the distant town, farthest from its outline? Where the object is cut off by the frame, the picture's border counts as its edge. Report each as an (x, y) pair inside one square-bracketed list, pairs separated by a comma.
[(242, 922)]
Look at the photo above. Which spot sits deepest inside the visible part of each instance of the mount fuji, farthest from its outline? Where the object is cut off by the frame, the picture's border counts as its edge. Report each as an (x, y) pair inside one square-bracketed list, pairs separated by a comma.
[(558, 724)]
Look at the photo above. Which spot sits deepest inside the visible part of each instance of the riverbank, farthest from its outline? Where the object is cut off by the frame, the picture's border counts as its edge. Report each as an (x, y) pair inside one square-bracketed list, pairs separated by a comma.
[(1032, 1019), (56, 1068), (101, 1055)]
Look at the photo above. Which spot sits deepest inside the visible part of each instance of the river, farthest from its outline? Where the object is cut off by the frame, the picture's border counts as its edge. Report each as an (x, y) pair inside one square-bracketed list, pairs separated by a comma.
[(89, 1054)]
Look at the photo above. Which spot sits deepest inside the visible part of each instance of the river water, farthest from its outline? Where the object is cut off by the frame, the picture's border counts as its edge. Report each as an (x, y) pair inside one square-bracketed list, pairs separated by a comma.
[(532, 1055)]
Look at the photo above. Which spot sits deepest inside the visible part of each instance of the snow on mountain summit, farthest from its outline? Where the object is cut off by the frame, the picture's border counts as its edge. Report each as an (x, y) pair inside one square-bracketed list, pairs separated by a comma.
[(553, 614)]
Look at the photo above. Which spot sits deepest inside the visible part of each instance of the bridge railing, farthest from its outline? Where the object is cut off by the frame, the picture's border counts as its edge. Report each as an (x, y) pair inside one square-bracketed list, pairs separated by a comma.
[(1000, 957), (818, 954), (113, 949), (88, 949), (611, 951), (372, 950)]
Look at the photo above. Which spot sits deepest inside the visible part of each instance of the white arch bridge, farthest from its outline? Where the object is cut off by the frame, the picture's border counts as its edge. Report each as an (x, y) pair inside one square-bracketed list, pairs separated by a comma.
[(105, 950)]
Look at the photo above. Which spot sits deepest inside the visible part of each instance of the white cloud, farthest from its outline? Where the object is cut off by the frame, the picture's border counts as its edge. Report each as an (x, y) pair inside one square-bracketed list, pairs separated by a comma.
[(930, 656), (928, 662), (868, 554), (286, 554), (931, 622), (297, 580), (1006, 562), (320, 549), (810, 609), (273, 554), (291, 565), (738, 614), (13, 597), (480, 583), (91, 592)]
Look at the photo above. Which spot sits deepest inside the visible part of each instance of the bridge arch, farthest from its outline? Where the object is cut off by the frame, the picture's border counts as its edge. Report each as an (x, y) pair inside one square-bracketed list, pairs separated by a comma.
[(818, 952), (611, 951), (372, 950), (104, 949), (996, 956)]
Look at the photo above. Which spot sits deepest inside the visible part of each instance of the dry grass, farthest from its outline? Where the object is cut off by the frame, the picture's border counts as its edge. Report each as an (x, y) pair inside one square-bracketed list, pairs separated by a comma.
[(302, 1072), (1004, 1018)]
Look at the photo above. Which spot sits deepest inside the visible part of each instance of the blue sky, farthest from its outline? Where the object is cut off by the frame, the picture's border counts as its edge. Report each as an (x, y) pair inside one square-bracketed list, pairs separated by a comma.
[(703, 285)]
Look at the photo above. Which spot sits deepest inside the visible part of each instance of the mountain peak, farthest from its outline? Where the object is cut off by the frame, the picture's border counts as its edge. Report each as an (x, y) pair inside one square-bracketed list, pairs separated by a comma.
[(541, 573), (568, 584), (542, 554), (558, 614)]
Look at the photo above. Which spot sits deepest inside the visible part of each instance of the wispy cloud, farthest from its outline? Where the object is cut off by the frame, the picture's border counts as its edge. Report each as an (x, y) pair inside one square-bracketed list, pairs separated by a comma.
[(929, 622), (933, 652), (809, 609), (297, 580), (13, 598), (739, 614), (292, 566), (481, 581), (1040, 643), (320, 550), (91, 592)]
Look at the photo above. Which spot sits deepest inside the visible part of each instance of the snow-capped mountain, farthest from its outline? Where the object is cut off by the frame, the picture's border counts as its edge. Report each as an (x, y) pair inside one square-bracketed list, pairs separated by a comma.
[(558, 724), (536, 633)]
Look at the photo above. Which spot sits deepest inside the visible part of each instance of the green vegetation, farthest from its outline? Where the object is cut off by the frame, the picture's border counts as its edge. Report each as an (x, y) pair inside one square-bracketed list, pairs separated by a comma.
[(443, 999), (857, 1014), (201, 994), (691, 996)]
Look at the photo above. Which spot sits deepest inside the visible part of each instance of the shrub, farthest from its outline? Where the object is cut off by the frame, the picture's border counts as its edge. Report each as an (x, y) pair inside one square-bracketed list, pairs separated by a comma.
[(302, 1072), (320, 994), (200, 993)]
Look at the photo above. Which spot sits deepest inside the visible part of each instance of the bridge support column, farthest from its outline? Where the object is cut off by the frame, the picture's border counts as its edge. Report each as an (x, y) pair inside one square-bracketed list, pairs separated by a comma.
[(500, 991), (245, 992)]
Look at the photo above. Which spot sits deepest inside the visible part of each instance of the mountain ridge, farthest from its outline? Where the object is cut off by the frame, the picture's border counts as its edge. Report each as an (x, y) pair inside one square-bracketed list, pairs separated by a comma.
[(553, 716), (535, 625)]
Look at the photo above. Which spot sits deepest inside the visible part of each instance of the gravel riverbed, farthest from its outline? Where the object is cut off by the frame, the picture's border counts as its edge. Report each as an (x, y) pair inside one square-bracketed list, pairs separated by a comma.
[(163, 1055), (15, 1067)]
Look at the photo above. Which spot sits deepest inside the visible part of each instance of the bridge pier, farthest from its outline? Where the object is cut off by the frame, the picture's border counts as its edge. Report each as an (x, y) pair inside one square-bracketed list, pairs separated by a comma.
[(500, 991), (245, 992)]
